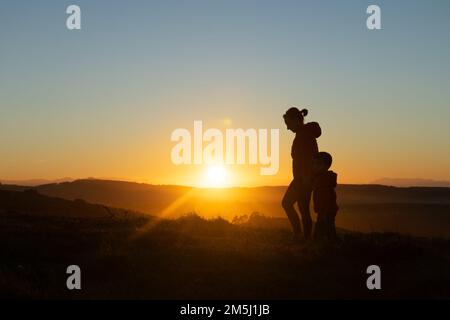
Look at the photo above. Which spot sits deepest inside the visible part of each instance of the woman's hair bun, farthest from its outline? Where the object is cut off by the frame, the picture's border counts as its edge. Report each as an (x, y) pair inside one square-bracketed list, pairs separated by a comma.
[(304, 112)]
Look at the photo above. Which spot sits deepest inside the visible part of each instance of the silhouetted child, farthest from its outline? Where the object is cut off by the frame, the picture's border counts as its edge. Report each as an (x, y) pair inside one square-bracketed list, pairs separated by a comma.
[(324, 196)]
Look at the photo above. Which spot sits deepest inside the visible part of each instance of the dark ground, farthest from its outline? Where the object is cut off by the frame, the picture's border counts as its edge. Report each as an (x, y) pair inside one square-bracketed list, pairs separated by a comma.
[(191, 258)]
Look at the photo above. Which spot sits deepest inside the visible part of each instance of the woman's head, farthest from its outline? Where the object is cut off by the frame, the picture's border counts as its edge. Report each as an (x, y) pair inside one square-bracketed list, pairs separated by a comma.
[(294, 118)]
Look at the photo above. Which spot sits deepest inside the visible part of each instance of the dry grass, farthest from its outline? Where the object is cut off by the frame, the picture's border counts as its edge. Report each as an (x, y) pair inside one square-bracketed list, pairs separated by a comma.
[(193, 258)]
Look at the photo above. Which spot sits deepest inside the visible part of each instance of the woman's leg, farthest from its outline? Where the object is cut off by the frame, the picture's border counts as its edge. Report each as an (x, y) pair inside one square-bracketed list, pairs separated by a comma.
[(289, 199), (303, 204)]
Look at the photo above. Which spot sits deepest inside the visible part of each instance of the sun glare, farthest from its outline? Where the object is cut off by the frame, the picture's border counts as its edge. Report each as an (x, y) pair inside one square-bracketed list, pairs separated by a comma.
[(215, 176)]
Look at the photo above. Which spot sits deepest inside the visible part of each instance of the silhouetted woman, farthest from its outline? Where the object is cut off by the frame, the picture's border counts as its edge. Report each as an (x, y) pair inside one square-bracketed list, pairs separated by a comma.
[(304, 148)]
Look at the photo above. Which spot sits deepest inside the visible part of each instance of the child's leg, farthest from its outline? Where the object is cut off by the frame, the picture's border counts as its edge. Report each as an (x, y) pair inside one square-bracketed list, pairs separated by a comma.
[(319, 229), (330, 226), (333, 226)]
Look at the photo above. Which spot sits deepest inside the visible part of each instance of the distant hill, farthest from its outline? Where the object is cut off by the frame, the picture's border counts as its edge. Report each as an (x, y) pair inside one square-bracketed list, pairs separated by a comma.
[(30, 202), (33, 182), (155, 198), (398, 182), (423, 211)]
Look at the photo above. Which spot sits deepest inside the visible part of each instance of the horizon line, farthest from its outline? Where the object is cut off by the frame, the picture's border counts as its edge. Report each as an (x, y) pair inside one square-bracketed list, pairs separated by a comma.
[(42, 182)]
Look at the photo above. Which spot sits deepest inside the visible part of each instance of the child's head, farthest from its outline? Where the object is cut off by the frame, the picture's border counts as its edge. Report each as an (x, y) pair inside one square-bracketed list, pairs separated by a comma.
[(322, 162)]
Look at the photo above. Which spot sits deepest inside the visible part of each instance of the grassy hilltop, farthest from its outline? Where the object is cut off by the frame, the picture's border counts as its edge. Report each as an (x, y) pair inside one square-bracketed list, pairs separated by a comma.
[(193, 258)]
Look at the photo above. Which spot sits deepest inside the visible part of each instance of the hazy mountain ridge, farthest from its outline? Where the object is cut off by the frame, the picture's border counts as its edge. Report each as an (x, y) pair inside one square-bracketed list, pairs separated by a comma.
[(30, 202), (422, 211), (152, 198), (107, 190), (416, 182), (34, 182)]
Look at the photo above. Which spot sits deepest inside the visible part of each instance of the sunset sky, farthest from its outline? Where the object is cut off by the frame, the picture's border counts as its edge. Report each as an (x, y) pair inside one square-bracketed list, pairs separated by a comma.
[(103, 101)]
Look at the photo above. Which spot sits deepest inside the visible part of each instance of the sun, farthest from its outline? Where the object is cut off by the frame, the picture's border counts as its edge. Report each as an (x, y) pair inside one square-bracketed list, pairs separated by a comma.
[(215, 176)]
